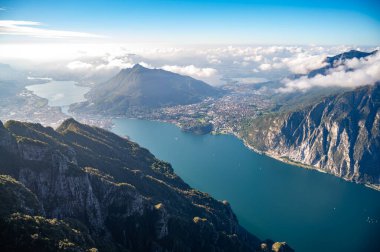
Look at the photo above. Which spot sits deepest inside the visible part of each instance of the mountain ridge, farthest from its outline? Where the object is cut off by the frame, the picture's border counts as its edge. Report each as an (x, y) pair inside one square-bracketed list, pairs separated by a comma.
[(334, 61), (140, 87), (88, 189), (339, 135)]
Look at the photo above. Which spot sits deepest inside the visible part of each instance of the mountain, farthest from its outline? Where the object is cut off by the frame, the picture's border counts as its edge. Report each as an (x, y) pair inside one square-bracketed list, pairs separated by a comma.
[(291, 100), (339, 134), (81, 188), (348, 55), (337, 60), (11, 81), (140, 87)]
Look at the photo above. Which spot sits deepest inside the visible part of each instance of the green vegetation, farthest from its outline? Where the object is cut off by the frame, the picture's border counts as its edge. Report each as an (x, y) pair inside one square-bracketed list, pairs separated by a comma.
[(279, 246), (27, 140), (20, 232), (102, 191), (15, 197), (143, 88), (197, 219), (200, 127)]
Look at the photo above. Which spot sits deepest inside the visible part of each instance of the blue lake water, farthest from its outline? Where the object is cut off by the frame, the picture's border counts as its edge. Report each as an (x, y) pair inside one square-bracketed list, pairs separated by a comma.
[(312, 211)]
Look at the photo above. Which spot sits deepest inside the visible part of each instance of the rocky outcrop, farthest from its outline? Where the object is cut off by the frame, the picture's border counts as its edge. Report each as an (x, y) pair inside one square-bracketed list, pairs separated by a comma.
[(339, 135), (23, 226), (82, 188)]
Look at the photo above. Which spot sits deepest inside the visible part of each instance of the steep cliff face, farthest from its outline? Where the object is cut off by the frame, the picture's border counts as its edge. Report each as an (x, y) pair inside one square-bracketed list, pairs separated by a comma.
[(80, 188), (23, 227), (340, 135)]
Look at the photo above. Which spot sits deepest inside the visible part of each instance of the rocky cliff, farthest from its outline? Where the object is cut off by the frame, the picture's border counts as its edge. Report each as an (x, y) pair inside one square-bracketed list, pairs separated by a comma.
[(81, 188), (339, 135)]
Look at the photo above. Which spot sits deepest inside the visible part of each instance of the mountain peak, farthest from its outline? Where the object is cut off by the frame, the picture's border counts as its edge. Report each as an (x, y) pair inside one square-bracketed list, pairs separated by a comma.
[(339, 59), (67, 123), (70, 121), (349, 55), (141, 87), (138, 67)]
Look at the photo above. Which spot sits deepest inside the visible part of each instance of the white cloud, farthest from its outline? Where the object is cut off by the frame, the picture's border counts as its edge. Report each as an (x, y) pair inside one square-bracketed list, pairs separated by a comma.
[(214, 61), (302, 63), (39, 78), (265, 67), (298, 63), (79, 65), (146, 65), (32, 29), (353, 73), (114, 63), (256, 58), (208, 63), (208, 75), (191, 70), (3, 9)]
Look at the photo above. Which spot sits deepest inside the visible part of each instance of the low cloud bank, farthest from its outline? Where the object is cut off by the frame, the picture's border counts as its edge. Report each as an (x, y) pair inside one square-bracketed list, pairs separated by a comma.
[(351, 73), (191, 70), (212, 64)]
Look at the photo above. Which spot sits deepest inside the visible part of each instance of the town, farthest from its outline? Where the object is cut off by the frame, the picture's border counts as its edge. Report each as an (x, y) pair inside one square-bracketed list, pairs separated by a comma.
[(223, 115)]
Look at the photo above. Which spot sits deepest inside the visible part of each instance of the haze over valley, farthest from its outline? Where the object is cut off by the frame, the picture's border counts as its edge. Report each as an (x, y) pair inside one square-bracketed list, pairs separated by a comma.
[(128, 129)]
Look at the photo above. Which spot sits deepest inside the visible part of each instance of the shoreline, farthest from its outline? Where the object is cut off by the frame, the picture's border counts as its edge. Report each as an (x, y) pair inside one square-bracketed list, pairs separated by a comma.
[(281, 158), (268, 154), (301, 165)]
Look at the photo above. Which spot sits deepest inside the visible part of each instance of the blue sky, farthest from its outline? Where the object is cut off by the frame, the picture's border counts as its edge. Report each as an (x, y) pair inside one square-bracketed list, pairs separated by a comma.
[(198, 22)]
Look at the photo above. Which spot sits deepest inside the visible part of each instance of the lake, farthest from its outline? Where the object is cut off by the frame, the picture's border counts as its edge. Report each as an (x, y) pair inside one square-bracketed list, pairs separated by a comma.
[(60, 93), (312, 211)]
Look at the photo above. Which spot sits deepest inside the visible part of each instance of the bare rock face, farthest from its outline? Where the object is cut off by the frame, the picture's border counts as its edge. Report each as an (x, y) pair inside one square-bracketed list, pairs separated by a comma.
[(339, 135), (81, 188)]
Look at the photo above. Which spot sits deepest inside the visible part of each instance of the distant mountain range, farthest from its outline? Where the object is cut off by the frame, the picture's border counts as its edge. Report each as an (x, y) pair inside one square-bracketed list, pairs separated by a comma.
[(296, 99), (339, 59), (11, 81), (141, 87), (81, 188)]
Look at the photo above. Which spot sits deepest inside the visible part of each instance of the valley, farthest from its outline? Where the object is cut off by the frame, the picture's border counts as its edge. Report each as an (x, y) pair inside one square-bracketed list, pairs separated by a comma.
[(245, 110), (189, 126), (242, 111)]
